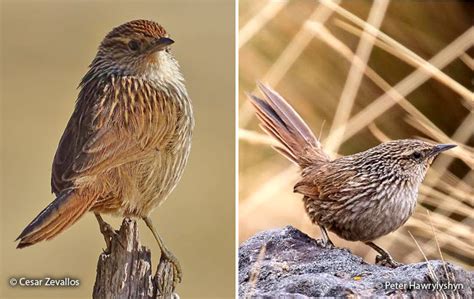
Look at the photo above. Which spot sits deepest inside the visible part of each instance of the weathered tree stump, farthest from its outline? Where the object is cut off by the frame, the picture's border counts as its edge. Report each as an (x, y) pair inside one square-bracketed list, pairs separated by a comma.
[(124, 270)]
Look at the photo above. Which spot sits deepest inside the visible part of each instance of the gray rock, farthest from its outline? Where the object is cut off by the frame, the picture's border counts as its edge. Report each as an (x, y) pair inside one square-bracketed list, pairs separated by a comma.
[(286, 263)]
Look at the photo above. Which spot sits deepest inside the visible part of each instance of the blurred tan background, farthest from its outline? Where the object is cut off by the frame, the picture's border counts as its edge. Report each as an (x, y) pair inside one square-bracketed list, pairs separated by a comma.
[(46, 48), (304, 50)]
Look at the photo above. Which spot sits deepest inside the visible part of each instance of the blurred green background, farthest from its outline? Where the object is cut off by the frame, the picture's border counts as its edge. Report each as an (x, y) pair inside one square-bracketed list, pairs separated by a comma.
[(277, 48), (46, 47)]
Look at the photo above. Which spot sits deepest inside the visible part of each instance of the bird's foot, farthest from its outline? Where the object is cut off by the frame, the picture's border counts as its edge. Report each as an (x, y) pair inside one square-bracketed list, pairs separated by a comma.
[(325, 241), (177, 272), (169, 266), (387, 261), (327, 244)]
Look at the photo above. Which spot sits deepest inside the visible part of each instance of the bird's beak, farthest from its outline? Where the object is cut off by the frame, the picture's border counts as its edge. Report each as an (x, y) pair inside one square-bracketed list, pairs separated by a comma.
[(441, 148), (160, 44)]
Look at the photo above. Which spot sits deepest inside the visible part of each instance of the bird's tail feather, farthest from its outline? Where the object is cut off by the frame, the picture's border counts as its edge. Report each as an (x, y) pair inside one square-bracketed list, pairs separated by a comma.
[(64, 211), (281, 121)]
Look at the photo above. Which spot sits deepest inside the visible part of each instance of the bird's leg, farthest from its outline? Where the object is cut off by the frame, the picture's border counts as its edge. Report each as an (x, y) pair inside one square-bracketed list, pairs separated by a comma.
[(107, 231), (384, 259), (325, 242), (165, 253)]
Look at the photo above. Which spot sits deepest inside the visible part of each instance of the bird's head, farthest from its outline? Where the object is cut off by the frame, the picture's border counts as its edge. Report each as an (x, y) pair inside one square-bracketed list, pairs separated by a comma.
[(137, 48), (408, 158)]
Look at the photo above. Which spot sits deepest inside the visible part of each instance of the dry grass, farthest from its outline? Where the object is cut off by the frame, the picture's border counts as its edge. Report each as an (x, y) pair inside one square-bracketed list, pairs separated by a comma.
[(256, 271), (374, 72)]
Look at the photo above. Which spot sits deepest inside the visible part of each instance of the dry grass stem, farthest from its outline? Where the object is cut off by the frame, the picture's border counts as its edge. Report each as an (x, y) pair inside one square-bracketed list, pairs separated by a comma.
[(404, 87), (354, 30), (342, 49), (433, 276), (467, 60), (271, 9), (268, 190), (456, 235), (386, 101), (378, 133), (443, 202), (356, 72), (287, 58), (437, 245), (456, 238), (256, 138), (424, 66), (410, 60), (256, 271)]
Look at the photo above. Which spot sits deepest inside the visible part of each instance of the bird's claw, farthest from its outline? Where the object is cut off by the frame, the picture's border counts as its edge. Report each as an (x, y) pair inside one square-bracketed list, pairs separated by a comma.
[(327, 244), (177, 272), (387, 261)]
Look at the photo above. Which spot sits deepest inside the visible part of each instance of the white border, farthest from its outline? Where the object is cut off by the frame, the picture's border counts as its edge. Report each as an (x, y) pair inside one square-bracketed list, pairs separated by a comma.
[(236, 152)]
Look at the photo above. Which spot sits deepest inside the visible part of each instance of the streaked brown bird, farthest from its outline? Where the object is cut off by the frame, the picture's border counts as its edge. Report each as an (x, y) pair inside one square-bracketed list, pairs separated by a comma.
[(360, 197), (128, 140)]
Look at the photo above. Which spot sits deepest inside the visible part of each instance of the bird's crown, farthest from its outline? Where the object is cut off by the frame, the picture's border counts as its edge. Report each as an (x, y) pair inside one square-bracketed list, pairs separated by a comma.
[(144, 28)]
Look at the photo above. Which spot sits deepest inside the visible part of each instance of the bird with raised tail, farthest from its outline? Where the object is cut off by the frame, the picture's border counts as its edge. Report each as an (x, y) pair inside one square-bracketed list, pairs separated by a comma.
[(127, 142), (359, 197)]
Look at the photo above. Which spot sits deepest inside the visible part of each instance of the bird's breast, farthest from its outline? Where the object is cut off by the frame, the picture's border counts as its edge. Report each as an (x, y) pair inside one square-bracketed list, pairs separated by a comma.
[(159, 124), (365, 212)]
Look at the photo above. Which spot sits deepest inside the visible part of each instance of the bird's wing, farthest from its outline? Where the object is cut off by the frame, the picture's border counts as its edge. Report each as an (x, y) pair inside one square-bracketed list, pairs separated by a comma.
[(113, 124), (327, 182)]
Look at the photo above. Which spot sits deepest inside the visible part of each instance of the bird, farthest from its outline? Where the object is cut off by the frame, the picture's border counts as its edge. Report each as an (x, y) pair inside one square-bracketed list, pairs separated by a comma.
[(128, 140), (359, 197)]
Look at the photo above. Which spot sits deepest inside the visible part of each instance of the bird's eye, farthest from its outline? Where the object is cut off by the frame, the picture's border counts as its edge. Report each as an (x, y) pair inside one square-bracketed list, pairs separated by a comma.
[(133, 45), (417, 155)]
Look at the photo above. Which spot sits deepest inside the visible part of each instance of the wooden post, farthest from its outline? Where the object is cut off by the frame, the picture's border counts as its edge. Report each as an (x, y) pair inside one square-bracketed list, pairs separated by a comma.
[(125, 271)]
